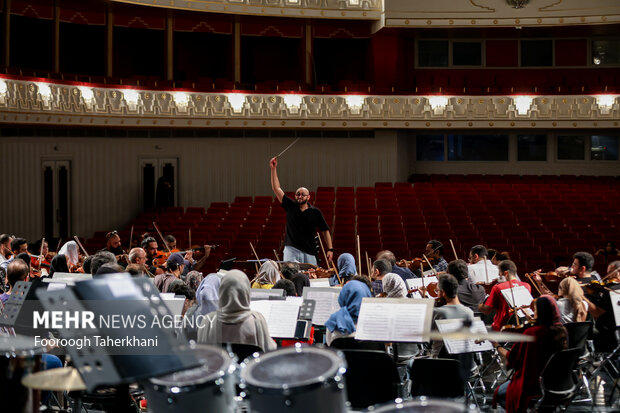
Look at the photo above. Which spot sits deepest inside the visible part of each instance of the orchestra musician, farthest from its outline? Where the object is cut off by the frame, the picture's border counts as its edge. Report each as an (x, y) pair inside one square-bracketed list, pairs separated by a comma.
[(404, 272), (380, 268), (529, 358), (5, 247), (113, 245), (17, 270), (346, 269), (601, 308), (581, 268), (302, 219), (18, 246), (171, 242), (469, 294), (496, 300), (149, 245), (453, 309), (481, 270), (434, 252)]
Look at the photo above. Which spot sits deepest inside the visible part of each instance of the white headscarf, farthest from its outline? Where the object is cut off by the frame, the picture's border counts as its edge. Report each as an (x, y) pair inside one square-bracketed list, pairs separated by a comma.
[(394, 286), (268, 273), (70, 250)]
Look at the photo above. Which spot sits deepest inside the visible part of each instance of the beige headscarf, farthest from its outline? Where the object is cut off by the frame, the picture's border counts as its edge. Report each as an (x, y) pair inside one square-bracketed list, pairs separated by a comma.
[(234, 308), (570, 289), (70, 250), (394, 286), (268, 273)]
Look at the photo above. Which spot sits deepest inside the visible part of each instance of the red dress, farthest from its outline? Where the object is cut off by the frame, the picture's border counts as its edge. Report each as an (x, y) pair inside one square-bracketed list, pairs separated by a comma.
[(528, 361)]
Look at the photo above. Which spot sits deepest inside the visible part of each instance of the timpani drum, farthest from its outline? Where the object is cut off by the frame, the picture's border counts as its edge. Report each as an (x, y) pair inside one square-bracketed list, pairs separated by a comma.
[(19, 357), (209, 388), (295, 379), (421, 406)]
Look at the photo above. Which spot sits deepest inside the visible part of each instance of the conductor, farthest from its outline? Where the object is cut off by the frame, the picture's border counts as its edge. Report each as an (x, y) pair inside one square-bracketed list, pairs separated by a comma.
[(302, 220)]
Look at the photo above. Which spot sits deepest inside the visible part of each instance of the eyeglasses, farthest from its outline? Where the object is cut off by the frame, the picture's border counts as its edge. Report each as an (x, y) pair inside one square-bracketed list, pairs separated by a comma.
[(301, 195)]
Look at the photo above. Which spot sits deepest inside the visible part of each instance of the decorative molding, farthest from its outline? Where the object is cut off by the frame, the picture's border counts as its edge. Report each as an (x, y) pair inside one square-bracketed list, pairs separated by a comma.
[(320, 9), (28, 102)]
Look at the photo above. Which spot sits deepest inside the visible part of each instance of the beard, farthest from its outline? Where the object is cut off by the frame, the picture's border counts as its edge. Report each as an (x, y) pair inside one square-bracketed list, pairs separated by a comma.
[(302, 202)]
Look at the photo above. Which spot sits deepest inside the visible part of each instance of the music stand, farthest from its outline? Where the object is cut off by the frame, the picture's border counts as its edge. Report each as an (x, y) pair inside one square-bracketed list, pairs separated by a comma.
[(104, 364)]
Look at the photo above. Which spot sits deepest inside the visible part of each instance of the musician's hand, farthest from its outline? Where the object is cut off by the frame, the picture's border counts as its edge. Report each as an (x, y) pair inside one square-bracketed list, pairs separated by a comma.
[(207, 250), (188, 256), (312, 273), (562, 270), (273, 163), (330, 255), (537, 275)]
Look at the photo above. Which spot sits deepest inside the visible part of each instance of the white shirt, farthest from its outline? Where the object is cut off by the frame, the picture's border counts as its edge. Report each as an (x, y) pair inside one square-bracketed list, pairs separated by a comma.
[(477, 273)]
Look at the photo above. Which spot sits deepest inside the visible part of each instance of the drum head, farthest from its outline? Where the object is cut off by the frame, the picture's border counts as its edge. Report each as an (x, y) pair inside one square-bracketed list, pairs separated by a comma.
[(19, 345), (422, 406), (292, 367), (215, 362)]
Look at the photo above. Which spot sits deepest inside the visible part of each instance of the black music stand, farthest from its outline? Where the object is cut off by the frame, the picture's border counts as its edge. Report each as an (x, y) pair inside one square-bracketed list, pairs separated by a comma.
[(103, 365)]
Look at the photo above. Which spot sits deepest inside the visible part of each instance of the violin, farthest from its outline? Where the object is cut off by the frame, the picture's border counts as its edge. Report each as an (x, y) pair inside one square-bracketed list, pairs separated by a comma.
[(488, 286), (417, 263), (319, 272)]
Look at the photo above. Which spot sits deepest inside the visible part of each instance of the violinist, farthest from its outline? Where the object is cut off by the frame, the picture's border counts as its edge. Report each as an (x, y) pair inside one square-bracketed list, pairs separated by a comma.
[(171, 242), (453, 309), (469, 294), (149, 245), (434, 253), (346, 269), (404, 272), (529, 358), (572, 304), (18, 246), (602, 309), (5, 247), (113, 245), (380, 269), (70, 250), (137, 257), (496, 300), (175, 265), (481, 270), (44, 260), (581, 268), (17, 270), (290, 271)]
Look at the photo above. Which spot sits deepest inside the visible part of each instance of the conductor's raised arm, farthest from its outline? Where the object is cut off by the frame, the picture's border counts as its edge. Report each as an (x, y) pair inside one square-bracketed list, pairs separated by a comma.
[(275, 182)]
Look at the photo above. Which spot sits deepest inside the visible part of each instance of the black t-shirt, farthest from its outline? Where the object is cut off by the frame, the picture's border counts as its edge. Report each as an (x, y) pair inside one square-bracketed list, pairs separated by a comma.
[(301, 225)]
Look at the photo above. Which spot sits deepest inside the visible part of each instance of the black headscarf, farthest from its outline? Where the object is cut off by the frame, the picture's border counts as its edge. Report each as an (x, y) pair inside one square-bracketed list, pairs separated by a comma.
[(58, 264)]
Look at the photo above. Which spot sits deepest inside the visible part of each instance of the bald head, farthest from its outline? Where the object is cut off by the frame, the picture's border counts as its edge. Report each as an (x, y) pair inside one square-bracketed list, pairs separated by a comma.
[(302, 196)]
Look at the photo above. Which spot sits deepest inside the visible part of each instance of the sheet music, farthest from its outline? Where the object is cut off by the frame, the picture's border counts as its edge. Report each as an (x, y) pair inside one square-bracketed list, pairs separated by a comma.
[(614, 296), (74, 276), (522, 297), (417, 282), (264, 294), (326, 302), (281, 316), (174, 303), (319, 282), (463, 346), (56, 286), (295, 300), (394, 319)]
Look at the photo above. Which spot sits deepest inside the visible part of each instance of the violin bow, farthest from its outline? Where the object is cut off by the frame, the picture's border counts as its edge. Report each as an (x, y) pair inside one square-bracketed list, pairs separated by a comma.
[(533, 282), (359, 255), (327, 261), (430, 265), (41, 253), (161, 236), (75, 237), (276, 255), (367, 262), (130, 238), (514, 303), (190, 238), (456, 257), (257, 259), (58, 245), (486, 271)]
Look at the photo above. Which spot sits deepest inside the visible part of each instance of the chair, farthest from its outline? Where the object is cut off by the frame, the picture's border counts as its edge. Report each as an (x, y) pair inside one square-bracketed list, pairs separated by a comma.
[(578, 333), (436, 378), (371, 377), (350, 343), (558, 381)]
